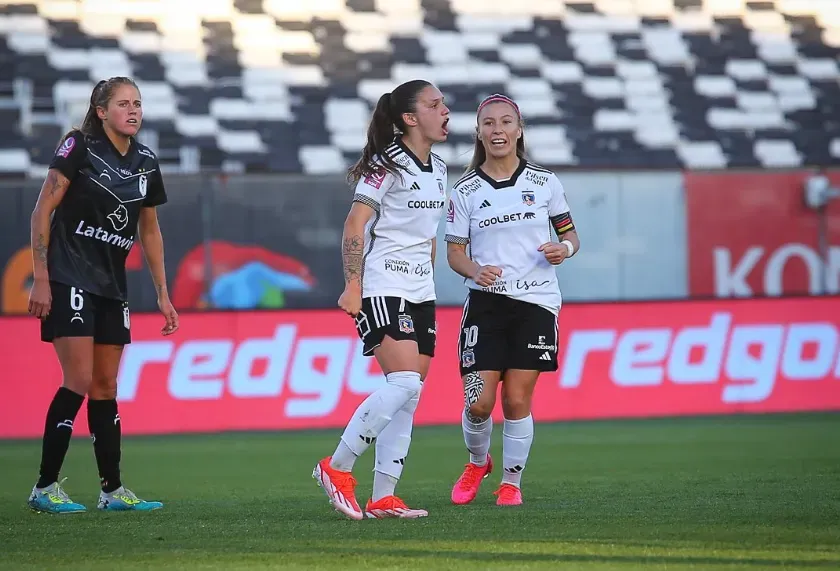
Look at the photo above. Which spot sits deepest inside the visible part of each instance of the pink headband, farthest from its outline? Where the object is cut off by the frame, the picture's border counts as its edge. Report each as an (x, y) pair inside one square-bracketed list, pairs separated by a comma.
[(495, 98)]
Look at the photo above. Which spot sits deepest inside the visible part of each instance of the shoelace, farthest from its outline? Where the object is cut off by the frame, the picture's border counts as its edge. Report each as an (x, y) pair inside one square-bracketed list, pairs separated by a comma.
[(471, 475), (506, 492), (344, 481), (58, 492), (392, 503)]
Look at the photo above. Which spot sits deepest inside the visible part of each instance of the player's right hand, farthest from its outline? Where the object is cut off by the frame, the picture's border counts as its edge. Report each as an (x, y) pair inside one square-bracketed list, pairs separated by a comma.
[(351, 301), (486, 275), (40, 298)]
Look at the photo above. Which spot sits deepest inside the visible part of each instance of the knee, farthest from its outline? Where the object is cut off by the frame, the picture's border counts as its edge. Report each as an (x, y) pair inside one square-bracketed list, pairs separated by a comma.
[(103, 388), (516, 404), (480, 410)]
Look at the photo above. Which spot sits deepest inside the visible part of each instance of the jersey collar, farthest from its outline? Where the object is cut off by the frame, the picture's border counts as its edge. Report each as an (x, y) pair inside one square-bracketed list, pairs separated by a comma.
[(500, 184), (413, 157)]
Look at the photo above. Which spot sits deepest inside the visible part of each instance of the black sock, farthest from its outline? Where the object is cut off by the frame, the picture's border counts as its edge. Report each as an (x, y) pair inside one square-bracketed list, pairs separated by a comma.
[(104, 426), (58, 429)]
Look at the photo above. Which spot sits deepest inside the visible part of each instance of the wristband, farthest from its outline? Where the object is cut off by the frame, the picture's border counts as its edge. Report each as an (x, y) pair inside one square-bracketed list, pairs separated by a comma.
[(569, 247)]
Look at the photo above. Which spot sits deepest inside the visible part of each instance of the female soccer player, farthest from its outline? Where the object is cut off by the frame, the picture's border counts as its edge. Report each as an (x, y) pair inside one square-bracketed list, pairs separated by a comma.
[(101, 185), (504, 208), (388, 253)]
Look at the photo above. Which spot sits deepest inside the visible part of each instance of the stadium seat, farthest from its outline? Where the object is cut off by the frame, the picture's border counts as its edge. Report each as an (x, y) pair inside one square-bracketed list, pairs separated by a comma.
[(276, 86)]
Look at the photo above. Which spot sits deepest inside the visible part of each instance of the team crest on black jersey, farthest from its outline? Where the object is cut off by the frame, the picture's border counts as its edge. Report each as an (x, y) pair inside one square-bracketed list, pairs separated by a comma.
[(142, 185)]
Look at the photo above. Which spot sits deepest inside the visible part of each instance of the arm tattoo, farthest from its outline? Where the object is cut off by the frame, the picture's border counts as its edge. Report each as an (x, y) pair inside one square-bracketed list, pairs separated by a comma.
[(351, 253), (53, 183), (41, 249)]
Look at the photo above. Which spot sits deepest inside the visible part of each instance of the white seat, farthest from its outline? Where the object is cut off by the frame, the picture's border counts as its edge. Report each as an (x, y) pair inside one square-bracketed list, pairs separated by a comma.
[(777, 154), (320, 160), (648, 102), (14, 160), (240, 141), (532, 87), (364, 42), (521, 55), (140, 42), (701, 154), (657, 136), (562, 71), (614, 120), (351, 141), (462, 123), (547, 135), (789, 84), (553, 155), (715, 85), (780, 51), (602, 87), (346, 115), (636, 69), (746, 69), (196, 125), (834, 147), (796, 101), (753, 101), (61, 58), (28, 42), (492, 23), (820, 69)]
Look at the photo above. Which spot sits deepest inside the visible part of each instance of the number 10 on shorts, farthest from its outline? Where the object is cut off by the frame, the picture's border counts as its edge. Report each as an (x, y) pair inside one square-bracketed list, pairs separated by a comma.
[(468, 352)]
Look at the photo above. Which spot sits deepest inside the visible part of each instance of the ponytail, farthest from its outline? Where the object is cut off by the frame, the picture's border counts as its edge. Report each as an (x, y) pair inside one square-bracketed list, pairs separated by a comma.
[(385, 124), (380, 135)]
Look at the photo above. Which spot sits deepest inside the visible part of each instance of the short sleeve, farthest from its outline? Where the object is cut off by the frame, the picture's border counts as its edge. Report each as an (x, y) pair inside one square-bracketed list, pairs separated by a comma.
[(156, 192), (70, 155), (558, 209), (458, 219), (557, 202), (371, 189)]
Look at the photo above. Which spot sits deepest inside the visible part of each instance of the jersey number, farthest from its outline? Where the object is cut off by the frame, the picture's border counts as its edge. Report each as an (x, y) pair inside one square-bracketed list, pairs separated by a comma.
[(470, 336), (77, 302)]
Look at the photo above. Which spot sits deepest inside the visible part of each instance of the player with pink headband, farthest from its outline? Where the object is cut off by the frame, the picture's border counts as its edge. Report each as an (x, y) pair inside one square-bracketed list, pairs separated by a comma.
[(506, 210)]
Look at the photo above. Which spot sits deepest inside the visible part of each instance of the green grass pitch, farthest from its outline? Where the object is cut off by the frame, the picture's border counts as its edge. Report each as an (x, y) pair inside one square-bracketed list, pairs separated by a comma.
[(750, 492)]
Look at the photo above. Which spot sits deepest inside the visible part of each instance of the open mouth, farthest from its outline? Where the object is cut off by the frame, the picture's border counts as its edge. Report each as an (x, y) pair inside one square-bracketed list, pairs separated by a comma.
[(498, 142), (132, 121), (445, 126)]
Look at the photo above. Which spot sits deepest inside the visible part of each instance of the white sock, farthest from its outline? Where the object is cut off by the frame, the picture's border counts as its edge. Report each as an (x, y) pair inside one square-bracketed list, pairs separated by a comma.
[(477, 438), (343, 458), (374, 414), (517, 437), (391, 450)]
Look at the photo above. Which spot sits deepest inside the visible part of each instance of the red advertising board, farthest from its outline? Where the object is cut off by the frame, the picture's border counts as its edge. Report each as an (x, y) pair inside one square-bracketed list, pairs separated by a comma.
[(304, 369), (751, 234)]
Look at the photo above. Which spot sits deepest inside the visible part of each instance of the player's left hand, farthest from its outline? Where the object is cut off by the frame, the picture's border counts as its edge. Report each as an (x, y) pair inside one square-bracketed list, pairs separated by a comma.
[(168, 311), (554, 253)]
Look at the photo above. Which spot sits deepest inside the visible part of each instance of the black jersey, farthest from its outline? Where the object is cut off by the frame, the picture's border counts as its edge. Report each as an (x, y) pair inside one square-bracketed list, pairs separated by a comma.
[(94, 227)]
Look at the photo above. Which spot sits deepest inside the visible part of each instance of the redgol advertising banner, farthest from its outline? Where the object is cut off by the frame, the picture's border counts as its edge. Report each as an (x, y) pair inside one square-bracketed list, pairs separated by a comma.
[(304, 369), (751, 234)]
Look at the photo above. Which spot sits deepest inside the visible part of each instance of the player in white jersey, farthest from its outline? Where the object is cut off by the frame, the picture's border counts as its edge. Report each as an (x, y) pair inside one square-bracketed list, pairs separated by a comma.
[(505, 209), (388, 253)]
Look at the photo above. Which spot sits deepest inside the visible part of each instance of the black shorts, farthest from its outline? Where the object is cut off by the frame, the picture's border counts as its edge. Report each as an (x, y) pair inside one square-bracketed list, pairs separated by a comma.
[(398, 319), (499, 333), (77, 313)]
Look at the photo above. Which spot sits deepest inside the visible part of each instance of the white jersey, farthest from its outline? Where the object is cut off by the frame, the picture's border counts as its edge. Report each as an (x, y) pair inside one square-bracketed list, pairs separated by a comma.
[(398, 238), (504, 223)]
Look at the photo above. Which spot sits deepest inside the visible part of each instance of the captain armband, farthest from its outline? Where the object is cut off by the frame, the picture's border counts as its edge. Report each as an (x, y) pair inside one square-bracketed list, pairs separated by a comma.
[(562, 223)]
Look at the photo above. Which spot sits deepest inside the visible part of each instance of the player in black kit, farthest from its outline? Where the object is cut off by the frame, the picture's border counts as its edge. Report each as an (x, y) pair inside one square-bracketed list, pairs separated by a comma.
[(102, 186)]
